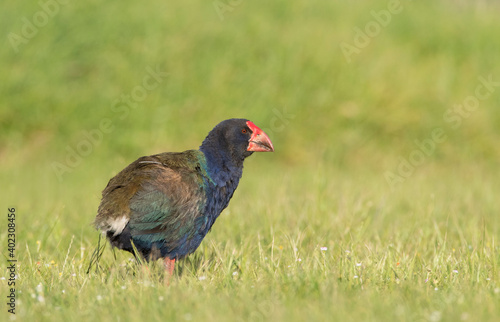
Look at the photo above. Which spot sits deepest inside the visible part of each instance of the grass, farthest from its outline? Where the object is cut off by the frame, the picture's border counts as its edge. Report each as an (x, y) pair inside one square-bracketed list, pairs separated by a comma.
[(314, 231)]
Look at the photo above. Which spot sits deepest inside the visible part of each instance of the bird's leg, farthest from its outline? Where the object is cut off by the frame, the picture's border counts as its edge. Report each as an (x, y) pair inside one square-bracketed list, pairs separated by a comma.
[(169, 265)]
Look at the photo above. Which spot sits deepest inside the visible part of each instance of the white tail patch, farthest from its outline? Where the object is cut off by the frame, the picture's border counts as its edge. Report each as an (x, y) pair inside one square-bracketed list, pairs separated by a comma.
[(118, 224)]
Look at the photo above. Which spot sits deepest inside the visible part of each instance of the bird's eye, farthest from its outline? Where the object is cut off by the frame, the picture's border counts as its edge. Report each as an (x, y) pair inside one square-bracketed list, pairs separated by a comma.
[(244, 131)]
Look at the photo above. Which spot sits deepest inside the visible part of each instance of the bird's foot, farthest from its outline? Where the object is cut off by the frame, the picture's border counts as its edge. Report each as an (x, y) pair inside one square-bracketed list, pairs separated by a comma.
[(169, 265)]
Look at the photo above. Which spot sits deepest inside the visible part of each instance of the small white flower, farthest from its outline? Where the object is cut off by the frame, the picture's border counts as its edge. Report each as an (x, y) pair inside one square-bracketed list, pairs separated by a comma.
[(358, 264), (124, 287), (296, 249), (2, 278), (488, 279), (299, 260), (356, 276), (347, 251), (235, 273), (63, 291), (202, 278), (435, 289), (99, 297), (73, 274), (324, 248), (40, 299), (455, 271), (39, 288)]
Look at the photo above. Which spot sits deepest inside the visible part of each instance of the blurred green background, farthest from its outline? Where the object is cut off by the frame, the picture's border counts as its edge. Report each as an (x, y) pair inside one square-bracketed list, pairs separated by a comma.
[(338, 127), (261, 56), (261, 61)]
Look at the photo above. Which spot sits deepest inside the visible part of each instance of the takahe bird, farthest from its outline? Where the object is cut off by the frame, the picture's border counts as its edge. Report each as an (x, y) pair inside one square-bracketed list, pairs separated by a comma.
[(166, 203)]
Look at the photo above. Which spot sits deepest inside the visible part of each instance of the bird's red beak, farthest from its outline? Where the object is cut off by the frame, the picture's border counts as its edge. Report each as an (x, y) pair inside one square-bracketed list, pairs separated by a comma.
[(259, 142)]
